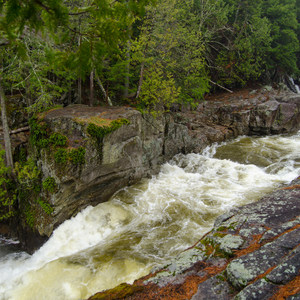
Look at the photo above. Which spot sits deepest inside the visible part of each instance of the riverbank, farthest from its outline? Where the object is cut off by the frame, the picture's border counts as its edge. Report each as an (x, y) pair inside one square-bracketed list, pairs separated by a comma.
[(134, 146), (253, 252)]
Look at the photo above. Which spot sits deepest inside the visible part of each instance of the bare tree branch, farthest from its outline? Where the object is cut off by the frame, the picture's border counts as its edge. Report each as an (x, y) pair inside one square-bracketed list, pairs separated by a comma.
[(222, 87)]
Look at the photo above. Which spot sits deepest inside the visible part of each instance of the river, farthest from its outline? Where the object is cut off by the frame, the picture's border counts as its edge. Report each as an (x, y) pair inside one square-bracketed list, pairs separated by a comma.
[(147, 224)]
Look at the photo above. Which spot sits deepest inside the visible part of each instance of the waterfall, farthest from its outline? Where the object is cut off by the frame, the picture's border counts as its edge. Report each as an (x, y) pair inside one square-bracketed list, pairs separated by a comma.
[(294, 87)]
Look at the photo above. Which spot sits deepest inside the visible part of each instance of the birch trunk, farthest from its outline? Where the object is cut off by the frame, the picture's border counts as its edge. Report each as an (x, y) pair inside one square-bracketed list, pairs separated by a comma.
[(103, 90), (141, 80), (92, 88)]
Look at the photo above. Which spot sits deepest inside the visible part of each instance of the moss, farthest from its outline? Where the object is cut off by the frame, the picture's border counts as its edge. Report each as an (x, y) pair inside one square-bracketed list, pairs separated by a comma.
[(43, 114), (218, 234), (38, 133), (49, 184), (41, 138), (57, 139), (221, 228), (61, 156), (213, 249), (99, 132), (29, 216), (76, 156), (121, 291), (221, 277), (47, 208)]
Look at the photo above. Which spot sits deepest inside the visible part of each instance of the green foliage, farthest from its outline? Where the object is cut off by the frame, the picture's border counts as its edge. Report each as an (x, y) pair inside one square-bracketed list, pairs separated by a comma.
[(47, 208), (76, 156), (28, 175), (172, 49), (285, 44), (7, 195), (38, 133), (61, 156), (176, 49), (20, 154), (261, 40), (58, 139), (40, 138), (29, 216), (36, 14), (158, 91), (49, 184)]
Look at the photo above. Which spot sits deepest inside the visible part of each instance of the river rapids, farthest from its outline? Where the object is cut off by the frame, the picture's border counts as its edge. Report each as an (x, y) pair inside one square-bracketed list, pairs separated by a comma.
[(147, 224)]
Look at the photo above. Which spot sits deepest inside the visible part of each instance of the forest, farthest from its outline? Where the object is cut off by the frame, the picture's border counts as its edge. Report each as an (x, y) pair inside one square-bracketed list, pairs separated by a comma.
[(150, 54)]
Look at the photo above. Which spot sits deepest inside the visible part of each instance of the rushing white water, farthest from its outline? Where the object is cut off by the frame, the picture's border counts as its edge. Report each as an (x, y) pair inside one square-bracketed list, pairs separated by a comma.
[(144, 225), (295, 86)]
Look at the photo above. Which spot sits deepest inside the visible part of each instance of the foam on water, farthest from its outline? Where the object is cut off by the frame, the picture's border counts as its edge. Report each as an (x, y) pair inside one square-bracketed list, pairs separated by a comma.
[(146, 224)]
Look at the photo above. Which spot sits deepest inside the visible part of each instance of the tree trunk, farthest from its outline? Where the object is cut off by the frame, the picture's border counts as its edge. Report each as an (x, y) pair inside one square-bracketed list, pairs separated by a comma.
[(126, 91), (103, 90), (79, 90), (79, 79), (92, 88), (7, 142), (141, 80)]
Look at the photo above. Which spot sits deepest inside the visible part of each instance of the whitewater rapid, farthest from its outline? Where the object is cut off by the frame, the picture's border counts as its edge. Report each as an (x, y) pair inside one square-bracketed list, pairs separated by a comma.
[(145, 225)]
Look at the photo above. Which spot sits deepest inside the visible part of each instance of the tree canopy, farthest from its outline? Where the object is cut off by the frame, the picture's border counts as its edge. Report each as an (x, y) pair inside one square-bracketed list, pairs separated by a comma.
[(110, 49)]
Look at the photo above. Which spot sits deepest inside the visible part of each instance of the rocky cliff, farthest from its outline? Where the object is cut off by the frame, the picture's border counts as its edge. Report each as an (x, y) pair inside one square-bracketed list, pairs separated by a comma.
[(253, 252), (86, 153)]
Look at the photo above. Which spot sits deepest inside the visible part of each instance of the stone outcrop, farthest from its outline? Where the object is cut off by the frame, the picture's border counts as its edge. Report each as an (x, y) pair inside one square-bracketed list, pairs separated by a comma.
[(253, 252), (137, 149)]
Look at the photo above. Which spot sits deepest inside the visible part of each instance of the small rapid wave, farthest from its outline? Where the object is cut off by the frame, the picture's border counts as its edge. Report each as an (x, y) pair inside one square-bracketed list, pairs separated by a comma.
[(144, 225)]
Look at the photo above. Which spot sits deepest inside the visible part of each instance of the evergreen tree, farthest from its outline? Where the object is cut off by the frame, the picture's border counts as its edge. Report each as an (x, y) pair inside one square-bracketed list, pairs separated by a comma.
[(282, 15)]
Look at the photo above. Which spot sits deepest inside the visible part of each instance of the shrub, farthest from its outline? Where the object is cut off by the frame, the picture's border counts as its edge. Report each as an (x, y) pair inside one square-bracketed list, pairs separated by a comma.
[(7, 196)]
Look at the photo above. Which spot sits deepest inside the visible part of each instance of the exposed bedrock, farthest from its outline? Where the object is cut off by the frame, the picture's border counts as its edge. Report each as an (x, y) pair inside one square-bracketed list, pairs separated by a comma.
[(137, 149)]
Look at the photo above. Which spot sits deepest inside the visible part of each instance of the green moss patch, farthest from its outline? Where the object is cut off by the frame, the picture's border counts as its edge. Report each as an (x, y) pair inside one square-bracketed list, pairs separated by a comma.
[(41, 138), (49, 184), (99, 132)]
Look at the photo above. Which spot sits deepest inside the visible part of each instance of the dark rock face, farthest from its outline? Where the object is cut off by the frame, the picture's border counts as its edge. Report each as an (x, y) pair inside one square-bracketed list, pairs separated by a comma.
[(253, 252), (138, 149)]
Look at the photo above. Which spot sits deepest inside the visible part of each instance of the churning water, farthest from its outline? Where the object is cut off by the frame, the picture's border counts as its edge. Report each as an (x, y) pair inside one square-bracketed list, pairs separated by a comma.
[(144, 225)]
